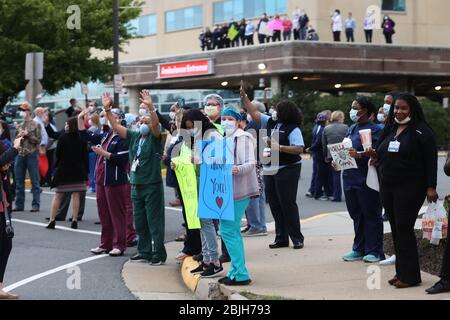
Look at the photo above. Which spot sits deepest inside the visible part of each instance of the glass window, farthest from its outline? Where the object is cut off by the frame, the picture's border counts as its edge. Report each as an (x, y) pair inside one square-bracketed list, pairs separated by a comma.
[(143, 26), (238, 9), (394, 5), (186, 18)]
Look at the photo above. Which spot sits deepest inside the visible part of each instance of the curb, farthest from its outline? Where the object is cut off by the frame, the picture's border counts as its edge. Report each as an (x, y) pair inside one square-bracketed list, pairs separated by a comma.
[(205, 289)]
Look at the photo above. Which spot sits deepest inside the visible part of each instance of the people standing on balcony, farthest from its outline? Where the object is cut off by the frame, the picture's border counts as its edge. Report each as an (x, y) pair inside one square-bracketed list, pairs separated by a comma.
[(350, 26), (304, 20), (388, 28), (369, 22), (287, 28), (312, 34), (276, 25), (242, 29), (234, 39), (226, 40), (262, 37), (296, 23), (336, 25), (249, 33), (217, 38), (206, 39)]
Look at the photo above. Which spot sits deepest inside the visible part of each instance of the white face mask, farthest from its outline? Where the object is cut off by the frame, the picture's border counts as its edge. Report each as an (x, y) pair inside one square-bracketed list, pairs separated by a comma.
[(103, 121), (211, 111), (405, 121), (143, 112), (229, 126), (381, 117), (274, 116), (91, 109), (172, 115), (386, 108)]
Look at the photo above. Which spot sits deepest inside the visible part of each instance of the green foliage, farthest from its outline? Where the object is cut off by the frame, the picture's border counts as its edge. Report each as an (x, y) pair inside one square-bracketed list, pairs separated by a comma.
[(311, 103), (41, 26)]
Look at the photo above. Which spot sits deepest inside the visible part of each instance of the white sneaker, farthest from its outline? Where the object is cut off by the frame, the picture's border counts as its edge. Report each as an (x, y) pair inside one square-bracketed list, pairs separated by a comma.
[(98, 250), (388, 261)]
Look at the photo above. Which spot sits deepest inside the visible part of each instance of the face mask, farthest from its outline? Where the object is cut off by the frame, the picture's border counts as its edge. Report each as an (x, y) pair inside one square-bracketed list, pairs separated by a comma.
[(172, 115), (386, 108), (211, 111), (22, 114), (354, 115), (144, 129), (91, 109), (229, 126), (381, 117), (143, 112), (103, 121), (274, 116), (406, 121)]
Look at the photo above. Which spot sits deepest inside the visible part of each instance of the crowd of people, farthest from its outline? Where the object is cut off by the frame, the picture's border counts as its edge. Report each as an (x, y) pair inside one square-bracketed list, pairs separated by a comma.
[(127, 153), (284, 28)]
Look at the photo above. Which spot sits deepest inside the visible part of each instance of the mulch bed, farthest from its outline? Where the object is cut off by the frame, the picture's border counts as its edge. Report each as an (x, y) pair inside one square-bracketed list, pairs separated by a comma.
[(430, 256)]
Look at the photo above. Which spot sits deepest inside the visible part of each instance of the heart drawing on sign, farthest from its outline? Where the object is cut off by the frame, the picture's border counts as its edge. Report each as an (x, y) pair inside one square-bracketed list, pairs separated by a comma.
[(219, 201)]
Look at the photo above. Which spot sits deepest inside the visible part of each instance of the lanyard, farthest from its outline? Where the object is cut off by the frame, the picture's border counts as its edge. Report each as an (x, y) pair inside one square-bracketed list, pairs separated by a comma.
[(139, 149)]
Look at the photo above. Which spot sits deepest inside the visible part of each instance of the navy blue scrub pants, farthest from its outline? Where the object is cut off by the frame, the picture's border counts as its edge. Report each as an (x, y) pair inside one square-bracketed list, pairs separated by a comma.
[(364, 206)]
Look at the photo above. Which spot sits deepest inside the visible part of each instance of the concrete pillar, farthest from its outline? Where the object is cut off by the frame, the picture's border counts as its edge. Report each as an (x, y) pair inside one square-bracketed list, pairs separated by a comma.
[(275, 84), (133, 100)]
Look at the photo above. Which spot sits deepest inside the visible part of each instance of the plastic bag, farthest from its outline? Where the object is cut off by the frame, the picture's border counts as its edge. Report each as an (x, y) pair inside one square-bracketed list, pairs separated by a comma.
[(435, 223)]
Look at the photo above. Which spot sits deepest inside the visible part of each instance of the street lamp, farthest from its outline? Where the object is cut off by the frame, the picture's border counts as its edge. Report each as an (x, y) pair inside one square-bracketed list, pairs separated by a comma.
[(262, 66), (438, 88)]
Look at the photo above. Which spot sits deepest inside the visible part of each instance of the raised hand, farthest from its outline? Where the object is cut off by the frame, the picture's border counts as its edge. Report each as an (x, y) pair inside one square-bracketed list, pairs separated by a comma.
[(107, 101), (146, 99), (245, 100)]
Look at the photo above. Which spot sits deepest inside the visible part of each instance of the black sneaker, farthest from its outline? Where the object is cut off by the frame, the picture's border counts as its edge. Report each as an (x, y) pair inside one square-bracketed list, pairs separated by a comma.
[(138, 258), (133, 243), (233, 282), (199, 269), (212, 271), (197, 257), (439, 287), (156, 262)]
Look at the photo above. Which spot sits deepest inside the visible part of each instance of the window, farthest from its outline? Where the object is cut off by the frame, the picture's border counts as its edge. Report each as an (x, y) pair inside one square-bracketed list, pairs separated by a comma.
[(394, 5), (238, 9), (143, 26), (186, 18)]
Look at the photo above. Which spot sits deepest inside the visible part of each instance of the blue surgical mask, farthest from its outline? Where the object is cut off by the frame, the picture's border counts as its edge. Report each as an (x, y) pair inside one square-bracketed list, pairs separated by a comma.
[(381, 117), (144, 129), (354, 115), (386, 108), (229, 126)]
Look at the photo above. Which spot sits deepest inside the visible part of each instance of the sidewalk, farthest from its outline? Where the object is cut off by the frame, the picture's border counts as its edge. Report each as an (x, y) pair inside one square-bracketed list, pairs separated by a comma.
[(314, 273)]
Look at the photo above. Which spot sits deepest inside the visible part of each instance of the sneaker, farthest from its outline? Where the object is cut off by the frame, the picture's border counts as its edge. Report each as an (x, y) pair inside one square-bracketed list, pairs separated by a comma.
[(322, 198), (156, 262), (116, 253), (181, 256), (34, 210), (138, 258), (353, 256), (233, 282), (133, 243), (370, 258), (245, 230), (197, 257), (388, 261), (99, 250), (211, 271), (181, 238), (439, 287), (309, 195), (199, 269), (255, 233)]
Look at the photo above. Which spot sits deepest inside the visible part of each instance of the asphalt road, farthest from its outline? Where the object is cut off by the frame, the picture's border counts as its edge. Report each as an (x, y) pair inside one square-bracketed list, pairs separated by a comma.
[(38, 266)]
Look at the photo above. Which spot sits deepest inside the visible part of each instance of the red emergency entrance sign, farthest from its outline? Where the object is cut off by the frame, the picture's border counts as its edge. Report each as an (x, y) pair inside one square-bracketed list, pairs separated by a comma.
[(185, 69)]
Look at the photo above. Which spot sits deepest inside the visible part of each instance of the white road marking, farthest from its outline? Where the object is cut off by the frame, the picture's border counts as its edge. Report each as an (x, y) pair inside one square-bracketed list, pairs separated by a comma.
[(95, 199), (52, 271), (57, 227)]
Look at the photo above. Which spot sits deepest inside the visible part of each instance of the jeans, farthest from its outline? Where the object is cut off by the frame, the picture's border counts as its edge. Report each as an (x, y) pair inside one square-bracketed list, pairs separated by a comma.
[(349, 33), (287, 36), (256, 213), (210, 250), (303, 32), (21, 165), (92, 161)]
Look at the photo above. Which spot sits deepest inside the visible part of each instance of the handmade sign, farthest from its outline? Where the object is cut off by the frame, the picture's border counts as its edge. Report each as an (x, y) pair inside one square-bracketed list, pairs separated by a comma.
[(264, 29), (185, 172), (216, 182), (233, 33), (341, 156)]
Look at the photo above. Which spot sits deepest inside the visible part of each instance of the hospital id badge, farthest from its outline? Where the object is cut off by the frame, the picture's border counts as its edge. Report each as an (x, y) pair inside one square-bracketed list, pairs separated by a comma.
[(134, 165), (394, 146)]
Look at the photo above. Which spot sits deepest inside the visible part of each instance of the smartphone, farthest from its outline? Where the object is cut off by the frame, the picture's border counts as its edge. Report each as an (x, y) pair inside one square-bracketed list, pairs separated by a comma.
[(181, 103)]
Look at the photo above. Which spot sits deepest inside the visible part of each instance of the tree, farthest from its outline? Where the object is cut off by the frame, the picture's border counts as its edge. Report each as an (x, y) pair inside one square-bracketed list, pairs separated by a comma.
[(41, 26)]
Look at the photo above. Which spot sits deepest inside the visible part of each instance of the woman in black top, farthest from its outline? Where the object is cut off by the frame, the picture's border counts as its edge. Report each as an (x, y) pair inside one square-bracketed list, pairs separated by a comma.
[(406, 157), (6, 158)]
